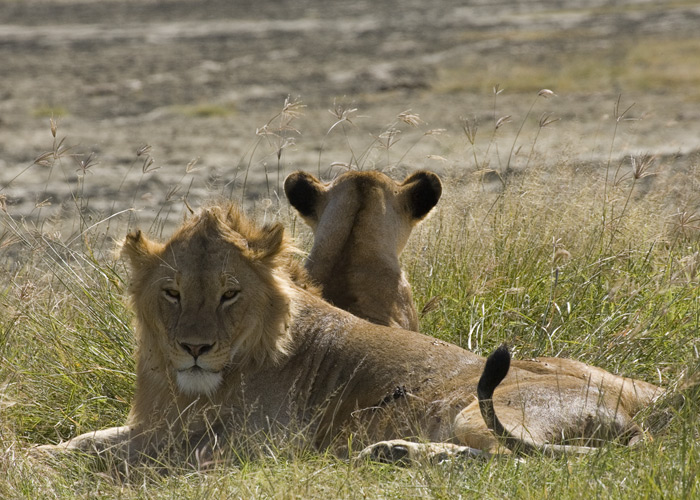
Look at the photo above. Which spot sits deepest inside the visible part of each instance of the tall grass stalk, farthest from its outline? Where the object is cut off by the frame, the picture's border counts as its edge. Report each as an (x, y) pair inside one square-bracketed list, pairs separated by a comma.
[(618, 116), (544, 93)]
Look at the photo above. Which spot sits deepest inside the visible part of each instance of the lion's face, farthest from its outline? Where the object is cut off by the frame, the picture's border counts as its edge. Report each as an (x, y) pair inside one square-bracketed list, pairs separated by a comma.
[(201, 302), (209, 300)]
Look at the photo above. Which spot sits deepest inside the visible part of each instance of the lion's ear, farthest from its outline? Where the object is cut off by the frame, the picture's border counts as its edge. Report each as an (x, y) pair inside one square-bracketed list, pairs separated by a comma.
[(303, 191), (421, 192), (269, 243), (138, 248)]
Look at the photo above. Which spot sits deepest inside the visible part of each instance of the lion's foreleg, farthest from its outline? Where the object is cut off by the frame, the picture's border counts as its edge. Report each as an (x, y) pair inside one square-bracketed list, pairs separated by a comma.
[(121, 441)]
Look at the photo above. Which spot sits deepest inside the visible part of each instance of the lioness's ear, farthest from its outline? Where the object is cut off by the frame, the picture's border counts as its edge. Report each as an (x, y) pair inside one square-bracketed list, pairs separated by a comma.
[(421, 192), (269, 243), (303, 191), (138, 248)]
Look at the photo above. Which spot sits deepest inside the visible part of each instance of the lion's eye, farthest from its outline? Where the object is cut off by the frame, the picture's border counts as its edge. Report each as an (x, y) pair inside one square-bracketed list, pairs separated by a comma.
[(229, 296), (171, 294)]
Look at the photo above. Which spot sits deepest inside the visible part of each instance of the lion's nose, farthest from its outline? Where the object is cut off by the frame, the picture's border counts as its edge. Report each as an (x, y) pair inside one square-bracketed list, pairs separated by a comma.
[(196, 350)]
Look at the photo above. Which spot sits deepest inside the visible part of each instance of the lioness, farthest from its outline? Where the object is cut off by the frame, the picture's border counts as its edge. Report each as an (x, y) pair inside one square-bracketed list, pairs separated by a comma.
[(230, 346), (361, 222)]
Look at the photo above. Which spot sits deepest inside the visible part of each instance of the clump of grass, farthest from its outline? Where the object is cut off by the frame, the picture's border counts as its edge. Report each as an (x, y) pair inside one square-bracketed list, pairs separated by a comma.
[(67, 344), (208, 110), (535, 265), (658, 63)]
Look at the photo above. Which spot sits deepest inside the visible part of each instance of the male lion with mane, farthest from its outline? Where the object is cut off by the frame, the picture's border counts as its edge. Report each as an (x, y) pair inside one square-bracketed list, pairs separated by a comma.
[(230, 346)]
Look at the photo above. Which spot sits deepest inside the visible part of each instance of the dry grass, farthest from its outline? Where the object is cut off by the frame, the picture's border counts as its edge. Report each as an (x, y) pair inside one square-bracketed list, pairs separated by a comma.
[(649, 63), (596, 261)]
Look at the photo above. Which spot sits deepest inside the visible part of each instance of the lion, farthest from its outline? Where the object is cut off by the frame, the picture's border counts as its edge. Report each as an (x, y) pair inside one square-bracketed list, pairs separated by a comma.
[(230, 346), (361, 222)]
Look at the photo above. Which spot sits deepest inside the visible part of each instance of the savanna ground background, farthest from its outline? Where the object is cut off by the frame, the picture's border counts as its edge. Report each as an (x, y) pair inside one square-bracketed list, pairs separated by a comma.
[(569, 224)]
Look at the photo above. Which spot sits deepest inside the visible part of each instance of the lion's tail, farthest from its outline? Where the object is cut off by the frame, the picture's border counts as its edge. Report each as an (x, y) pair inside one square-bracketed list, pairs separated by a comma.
[(495, 370)]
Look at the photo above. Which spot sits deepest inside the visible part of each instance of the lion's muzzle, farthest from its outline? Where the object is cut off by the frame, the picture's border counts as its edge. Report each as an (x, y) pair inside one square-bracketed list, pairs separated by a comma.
[(197, 380), (196, 350)]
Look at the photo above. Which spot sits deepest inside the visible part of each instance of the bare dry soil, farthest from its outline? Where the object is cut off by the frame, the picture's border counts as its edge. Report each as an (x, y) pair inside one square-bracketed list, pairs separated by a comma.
[(195, 80)]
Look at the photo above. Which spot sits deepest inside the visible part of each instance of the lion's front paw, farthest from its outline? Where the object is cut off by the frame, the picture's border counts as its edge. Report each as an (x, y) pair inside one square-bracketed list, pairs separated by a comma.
[(388, 452), (406, 452)]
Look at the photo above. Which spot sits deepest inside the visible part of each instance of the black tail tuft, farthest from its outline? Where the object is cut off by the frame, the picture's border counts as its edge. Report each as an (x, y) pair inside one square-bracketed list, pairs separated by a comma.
[(495, 370)]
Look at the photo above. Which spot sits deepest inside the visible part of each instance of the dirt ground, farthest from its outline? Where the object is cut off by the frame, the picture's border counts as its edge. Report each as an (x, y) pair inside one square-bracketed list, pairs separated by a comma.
[(194, 80)]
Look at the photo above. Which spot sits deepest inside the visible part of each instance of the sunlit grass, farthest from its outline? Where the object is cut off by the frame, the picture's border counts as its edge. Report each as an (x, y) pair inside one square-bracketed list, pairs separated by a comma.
[(207, 110), (590, 261), (644, 63), (49, 112)]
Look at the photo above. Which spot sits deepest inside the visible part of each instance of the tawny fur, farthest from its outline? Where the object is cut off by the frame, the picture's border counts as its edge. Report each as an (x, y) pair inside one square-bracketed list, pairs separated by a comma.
[(273, 355), (361, 222)]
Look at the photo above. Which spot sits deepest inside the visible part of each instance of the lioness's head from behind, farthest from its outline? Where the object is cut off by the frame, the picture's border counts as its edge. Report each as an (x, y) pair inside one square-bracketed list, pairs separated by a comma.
[(209, 300), (361, 222), (375, 203)]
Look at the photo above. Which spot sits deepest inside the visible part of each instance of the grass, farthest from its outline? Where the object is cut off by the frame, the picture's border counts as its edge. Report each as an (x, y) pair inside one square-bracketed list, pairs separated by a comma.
[(207, 110), (49, 112), (586, 260), (650, 63)]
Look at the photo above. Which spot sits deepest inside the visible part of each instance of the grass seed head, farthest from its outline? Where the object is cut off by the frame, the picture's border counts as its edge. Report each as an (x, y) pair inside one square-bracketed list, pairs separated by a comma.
[(192, 166), (389, 137), (685, 224), (54, 126), (292, 109), (409, 118), (641, 165), (470, 127), (546, 119), (502, 121), (85, 164)]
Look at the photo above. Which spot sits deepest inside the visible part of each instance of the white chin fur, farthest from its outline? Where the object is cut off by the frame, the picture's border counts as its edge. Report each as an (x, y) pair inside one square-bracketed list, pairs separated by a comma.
[(194, 382)]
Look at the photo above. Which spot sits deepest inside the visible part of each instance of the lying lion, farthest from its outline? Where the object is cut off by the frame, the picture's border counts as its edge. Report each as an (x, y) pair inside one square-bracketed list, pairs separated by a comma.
[(229, 346), (361, 222)]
